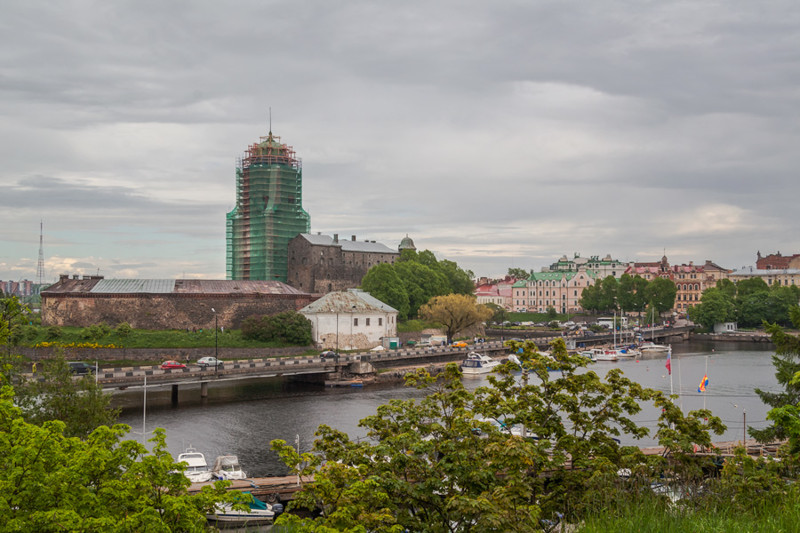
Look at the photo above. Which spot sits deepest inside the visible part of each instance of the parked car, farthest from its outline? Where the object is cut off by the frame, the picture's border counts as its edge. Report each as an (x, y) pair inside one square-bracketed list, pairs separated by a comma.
[(169, 365), (212, 362), (328, 354), (80, 368)]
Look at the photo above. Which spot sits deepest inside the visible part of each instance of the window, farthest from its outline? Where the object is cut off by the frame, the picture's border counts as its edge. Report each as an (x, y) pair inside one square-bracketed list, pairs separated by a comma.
[(355, 321), (366, 321), (380, 321)]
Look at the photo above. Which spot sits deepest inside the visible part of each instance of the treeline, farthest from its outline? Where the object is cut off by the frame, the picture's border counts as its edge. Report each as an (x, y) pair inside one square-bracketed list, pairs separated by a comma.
[(630, 294), (749, 303), (414, 279)]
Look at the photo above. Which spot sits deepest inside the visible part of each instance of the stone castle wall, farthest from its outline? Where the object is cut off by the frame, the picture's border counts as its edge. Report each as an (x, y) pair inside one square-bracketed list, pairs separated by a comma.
[(159, 311)]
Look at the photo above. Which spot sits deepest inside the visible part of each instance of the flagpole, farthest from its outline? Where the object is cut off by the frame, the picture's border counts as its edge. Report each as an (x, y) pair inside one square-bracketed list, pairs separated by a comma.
[(704, 392), (669, 354), (680, 384)]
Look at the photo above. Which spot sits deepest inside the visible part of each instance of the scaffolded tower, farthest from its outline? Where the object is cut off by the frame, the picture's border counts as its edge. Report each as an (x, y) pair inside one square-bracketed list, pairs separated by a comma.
[(268, 213)]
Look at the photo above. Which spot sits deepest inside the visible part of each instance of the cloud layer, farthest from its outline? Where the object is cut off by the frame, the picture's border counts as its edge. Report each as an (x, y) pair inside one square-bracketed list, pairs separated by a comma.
[(495, 134)]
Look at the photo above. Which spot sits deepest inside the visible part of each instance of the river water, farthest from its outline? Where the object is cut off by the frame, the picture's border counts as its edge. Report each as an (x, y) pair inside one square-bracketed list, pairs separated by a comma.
[(242, 419)]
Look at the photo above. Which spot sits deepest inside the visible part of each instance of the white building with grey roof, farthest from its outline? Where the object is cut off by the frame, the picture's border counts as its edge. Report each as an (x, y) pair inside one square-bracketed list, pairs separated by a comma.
[(350, 320)]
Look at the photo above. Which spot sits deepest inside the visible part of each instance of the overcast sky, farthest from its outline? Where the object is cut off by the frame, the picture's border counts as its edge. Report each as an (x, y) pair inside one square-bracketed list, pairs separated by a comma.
[(496, 134)]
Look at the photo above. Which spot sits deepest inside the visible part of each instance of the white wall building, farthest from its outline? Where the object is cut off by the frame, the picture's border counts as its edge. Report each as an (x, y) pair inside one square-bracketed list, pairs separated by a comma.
[(350, 320)]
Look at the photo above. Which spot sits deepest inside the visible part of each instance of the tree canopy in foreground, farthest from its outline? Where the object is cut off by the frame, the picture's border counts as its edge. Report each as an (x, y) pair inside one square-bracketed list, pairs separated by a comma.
[(51, 482), (507, 457)]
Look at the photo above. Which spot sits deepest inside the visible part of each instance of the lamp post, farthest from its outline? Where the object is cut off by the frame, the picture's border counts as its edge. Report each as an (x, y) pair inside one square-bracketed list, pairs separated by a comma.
[(216, 343)]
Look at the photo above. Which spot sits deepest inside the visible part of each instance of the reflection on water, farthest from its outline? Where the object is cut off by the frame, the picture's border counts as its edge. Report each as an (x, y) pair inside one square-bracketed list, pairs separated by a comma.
[(244, 418)]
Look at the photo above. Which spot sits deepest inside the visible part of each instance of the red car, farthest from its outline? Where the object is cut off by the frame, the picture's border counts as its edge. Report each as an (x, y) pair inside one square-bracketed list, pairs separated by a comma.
[(167, 365)]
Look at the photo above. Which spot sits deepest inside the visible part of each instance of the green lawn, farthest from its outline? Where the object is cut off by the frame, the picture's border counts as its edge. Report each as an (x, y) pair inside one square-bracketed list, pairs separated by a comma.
[(141, 338)]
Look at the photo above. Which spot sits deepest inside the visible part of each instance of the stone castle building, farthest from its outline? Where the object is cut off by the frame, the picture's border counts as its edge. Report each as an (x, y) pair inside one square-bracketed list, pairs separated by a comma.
[(320, 264), (164, 303)]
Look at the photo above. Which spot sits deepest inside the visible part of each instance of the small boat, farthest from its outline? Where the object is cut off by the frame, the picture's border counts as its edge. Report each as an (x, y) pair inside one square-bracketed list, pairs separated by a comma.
[(227, 467), (629, 351), (258, 513), (651, 347), (477, 363), (196, 466), (604, 354)]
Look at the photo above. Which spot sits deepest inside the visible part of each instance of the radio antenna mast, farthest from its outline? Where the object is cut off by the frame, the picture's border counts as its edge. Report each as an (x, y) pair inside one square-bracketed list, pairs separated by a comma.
[(40, 265)]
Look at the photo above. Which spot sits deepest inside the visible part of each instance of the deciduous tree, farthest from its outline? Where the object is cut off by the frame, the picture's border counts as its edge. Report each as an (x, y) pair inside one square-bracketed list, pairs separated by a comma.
[(456, 312), (51, 482)]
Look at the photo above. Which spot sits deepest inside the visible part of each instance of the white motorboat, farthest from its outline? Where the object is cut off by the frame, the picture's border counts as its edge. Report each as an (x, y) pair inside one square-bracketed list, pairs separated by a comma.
[(227, 467), (628, 352), (477, 363), (196, 466), (257, 513), (651, 347), (603, 354)]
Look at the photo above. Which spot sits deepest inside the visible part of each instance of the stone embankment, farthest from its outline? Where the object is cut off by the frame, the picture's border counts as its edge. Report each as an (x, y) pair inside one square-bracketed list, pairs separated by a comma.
[(739, 336)]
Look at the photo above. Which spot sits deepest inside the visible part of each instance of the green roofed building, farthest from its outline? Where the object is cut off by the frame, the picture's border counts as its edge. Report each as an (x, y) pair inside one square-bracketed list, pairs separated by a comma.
[(268, 214), (560, 290)]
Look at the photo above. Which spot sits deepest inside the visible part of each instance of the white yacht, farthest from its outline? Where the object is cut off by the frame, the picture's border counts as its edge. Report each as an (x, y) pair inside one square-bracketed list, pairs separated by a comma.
[(196, 466), (651, 347), (476, 363), (227, 467)]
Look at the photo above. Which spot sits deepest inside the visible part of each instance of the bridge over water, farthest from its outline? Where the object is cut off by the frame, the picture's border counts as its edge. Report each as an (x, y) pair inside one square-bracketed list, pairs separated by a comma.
[(315, 368)]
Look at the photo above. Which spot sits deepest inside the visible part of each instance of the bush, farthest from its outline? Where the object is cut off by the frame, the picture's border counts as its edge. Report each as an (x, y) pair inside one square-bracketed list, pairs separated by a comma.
[(54, 332), (288, 327), (123, 330)]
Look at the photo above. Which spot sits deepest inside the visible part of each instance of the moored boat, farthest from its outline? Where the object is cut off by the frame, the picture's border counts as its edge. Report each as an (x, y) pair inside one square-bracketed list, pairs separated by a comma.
[(196, 466), (257, 513), (227, 467), (477, 363), (651, 347)]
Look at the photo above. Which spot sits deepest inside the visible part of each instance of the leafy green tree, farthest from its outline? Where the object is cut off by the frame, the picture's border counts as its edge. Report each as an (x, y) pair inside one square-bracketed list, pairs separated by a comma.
[(519, 273), (751, 285), (465, 461), (459, 280), (54, 393), (727, 287), (383, 282), (660, 293), (784, 403), (456, 312), (716, 306), (417, 472), (421, 283), (609, 290), (51, 482), (591, 298), (631, 296)]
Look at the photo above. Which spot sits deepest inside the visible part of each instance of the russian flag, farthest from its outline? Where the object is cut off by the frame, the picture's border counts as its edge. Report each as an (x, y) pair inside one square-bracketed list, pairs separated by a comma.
[(703, 384)]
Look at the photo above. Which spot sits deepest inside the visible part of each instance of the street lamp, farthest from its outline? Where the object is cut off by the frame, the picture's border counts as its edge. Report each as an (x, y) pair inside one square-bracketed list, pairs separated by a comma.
[(216, 343)]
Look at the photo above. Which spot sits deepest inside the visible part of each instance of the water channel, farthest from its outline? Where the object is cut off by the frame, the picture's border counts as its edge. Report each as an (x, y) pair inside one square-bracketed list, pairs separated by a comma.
[(242, 419)]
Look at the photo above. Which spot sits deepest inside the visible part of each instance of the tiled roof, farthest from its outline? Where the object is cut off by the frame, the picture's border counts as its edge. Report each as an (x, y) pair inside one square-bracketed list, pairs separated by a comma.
[(351, 301)]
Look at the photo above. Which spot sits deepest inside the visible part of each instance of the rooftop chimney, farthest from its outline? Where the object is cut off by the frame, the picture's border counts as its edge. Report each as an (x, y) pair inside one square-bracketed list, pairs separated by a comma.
[(353, 238), (335, 237)]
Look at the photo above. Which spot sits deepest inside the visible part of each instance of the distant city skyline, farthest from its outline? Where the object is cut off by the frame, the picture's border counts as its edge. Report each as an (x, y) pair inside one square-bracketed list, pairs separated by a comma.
[(496, 135)]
